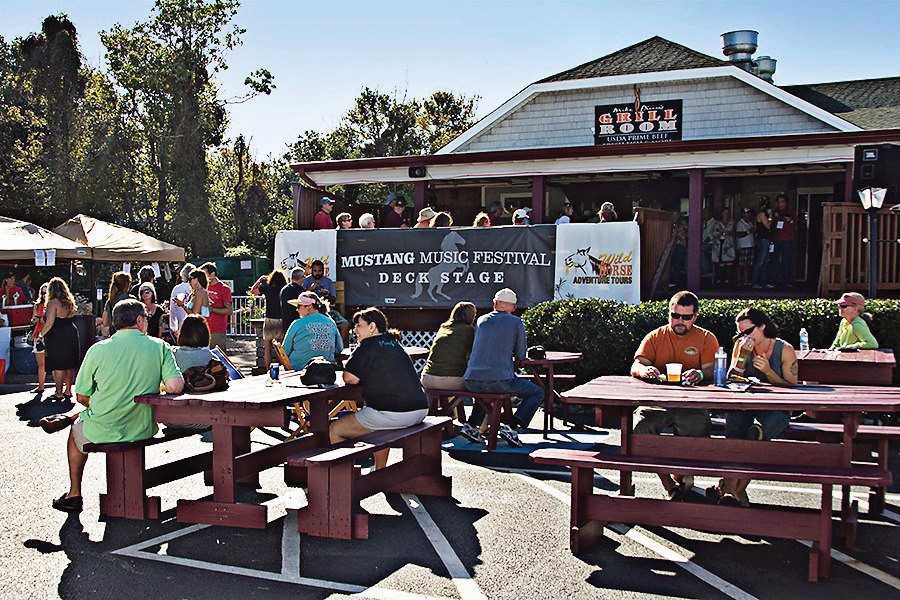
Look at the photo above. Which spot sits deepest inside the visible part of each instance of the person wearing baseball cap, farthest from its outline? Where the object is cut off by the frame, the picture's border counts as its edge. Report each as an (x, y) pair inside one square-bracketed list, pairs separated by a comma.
[(520, 216), (499, 342), (425, 217), (853, 332), (392, 211), (313, 333), (323, 217)]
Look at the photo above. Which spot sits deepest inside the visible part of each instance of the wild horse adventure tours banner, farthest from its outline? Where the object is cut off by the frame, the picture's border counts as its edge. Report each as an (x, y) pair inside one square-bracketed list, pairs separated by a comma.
[(598, 261), (440, 267), (301, 248)]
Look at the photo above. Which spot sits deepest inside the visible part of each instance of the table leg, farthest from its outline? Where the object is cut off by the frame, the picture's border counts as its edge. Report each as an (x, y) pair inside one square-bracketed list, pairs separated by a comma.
[(625, 486), (584, 532), (223, 463), (241, 444)]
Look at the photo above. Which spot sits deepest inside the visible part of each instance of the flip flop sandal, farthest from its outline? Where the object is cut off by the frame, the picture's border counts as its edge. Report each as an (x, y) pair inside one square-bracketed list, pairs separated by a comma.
[(54, 423), (729, 500), (73, 504), (56, 398), (37, 391)]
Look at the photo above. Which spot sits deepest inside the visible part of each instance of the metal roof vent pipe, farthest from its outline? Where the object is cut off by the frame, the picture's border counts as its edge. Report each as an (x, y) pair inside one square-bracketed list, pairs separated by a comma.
[(739, 47), (765, 68)]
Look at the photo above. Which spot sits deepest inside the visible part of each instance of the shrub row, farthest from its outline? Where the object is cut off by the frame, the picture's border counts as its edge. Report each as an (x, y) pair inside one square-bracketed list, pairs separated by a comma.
[(608, 332)]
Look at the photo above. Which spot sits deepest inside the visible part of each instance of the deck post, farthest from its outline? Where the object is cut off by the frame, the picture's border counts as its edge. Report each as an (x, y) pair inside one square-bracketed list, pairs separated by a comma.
[(695, 229), (538, 191)]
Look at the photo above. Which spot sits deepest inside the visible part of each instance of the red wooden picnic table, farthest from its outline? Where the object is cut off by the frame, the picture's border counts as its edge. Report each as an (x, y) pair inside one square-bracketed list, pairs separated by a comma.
[(863, 367), (247, 403), (624, 394), (543, 371)]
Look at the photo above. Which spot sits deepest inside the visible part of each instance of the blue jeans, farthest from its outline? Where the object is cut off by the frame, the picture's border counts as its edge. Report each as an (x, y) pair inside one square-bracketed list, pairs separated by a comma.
[(784, 262), (532, 397), (773, 422), (760, 257)]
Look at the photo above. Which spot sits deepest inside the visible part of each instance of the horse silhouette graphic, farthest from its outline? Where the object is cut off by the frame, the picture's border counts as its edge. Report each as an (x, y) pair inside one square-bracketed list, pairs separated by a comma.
[(581, 257), (450, 243)]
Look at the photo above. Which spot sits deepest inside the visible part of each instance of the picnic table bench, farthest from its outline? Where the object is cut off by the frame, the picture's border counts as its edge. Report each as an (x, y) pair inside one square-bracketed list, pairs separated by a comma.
[(862, 367), (825, 464), (128, 479), (497, 406), (336, 485)]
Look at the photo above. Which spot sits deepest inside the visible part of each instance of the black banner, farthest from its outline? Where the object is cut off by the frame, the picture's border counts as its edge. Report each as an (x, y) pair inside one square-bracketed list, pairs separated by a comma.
[(440, 267), (658, 121)]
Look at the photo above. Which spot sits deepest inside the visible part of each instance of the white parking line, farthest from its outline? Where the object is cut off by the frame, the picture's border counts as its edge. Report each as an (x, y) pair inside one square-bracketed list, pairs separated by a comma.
[(676, 555), (290, 546), (465, 584), (862, 567)]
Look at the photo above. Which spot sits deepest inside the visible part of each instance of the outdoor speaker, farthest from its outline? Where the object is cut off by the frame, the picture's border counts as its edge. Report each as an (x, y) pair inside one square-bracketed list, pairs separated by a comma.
[(877, 165), (417, 172)]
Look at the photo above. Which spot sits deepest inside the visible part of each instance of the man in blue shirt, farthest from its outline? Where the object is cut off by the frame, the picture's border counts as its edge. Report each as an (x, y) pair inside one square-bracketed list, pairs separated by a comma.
[(499, 342)]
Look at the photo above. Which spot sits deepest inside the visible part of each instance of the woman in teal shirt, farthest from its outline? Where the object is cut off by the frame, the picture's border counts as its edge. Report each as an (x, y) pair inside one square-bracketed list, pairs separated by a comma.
[(313, 334), (853, 332)]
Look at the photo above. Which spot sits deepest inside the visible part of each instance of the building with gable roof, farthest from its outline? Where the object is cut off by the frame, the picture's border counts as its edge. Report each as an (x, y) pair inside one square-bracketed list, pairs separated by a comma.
[(659, 130)]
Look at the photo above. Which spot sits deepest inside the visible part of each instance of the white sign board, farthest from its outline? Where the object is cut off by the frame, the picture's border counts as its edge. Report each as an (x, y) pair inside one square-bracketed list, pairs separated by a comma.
[(299, 248), (598, 260), (40, 258), (246, 265), (51, 258)]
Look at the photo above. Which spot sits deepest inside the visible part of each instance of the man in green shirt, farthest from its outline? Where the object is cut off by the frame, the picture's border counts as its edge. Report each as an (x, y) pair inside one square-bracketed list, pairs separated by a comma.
[(114, 371)]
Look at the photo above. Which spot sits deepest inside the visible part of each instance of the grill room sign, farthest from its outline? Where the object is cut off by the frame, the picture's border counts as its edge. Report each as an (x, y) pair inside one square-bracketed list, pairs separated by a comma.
[(637, 123)]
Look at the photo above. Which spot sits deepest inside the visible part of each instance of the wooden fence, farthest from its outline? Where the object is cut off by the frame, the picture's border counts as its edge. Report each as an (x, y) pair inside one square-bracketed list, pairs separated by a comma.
[(845, 256), (656, 229)]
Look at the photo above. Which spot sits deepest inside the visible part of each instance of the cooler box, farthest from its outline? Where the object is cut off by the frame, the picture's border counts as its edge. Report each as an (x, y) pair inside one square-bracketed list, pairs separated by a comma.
[(18, 314)]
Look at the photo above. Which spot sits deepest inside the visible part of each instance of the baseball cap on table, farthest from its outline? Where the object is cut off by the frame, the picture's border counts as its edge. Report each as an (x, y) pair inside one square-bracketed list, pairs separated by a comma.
[(520, 213), (426, 214), (851, 299), (325, 201), (505, 295)]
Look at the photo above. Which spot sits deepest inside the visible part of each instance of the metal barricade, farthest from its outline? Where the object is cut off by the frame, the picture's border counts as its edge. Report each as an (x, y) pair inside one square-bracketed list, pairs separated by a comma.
[(245, 308)]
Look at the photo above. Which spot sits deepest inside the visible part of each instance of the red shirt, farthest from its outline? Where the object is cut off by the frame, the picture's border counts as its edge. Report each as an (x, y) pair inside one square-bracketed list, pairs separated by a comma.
[(219, 296), (786, 233), (323, 221)]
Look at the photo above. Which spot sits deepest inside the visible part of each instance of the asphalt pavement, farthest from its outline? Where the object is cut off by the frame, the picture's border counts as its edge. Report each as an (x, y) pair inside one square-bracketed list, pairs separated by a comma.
[(503, 534)]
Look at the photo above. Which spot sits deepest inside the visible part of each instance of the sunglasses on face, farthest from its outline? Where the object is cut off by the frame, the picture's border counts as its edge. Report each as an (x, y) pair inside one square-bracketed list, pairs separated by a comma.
[(679, 316), (747, 331), (843, 306)]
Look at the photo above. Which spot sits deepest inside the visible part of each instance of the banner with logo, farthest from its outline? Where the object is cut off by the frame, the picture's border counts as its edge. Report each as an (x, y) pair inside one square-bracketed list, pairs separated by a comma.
[(440, 267), (598, 261), (300, 248), (637, 123)]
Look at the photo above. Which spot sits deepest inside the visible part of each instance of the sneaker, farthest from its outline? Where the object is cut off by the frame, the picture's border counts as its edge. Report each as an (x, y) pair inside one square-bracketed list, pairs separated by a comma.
[(472, 434), (509, 434)]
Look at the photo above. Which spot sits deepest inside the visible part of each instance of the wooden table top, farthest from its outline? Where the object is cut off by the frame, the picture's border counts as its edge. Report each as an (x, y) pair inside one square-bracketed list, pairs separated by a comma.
[(251, 392), (628, 391), (883, 357), (554, 357)]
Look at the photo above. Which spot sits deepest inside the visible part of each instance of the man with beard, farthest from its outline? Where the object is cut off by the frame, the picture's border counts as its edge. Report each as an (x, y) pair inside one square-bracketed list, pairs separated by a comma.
[(695, 348), (323, 287)]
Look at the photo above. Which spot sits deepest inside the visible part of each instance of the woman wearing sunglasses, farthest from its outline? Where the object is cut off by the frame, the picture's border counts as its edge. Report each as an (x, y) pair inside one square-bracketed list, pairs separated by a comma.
[(773, 361), (853, 332)]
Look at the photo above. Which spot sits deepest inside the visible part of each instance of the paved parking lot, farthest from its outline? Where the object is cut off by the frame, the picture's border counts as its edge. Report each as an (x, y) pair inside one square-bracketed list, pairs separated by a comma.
[(503, 534)]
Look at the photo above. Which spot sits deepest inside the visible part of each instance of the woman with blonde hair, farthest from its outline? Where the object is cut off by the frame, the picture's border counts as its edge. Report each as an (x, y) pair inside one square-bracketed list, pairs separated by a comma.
[(118, 291), (60, 337), (853, 332), (37, 319), (482, 220)]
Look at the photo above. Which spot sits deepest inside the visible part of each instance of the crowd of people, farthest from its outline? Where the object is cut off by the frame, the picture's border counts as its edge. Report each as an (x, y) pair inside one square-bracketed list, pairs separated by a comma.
[(755, 249), (471, 353), (393, 215)]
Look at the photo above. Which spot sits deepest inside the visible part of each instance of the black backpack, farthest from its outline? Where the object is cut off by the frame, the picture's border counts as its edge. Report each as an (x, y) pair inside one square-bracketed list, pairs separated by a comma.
[(319, 371)]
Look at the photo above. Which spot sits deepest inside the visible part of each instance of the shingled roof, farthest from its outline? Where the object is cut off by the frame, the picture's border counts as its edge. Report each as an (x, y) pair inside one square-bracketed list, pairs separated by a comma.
[(868, 103), (651, 55)]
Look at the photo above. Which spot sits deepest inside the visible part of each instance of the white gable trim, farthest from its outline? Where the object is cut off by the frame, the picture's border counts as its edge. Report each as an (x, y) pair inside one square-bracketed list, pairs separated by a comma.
[(660, 76)]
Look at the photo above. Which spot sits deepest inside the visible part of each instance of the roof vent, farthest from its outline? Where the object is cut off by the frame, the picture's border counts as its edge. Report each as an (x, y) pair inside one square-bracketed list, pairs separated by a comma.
[(739, 47)]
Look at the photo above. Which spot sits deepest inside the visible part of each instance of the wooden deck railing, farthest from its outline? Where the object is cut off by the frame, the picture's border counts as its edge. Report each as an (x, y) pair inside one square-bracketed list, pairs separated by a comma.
[(845, 256)]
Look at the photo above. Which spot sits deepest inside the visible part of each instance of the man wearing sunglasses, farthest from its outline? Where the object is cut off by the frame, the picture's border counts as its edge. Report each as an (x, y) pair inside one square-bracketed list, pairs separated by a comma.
[(695, 349)]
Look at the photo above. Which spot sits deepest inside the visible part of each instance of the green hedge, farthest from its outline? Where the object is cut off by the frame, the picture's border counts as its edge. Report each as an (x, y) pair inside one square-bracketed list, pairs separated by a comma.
[(609, 332)]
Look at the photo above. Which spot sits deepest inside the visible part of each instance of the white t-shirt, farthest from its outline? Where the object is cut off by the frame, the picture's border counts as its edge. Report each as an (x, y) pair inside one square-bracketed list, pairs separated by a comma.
[(563, 220), (747, 240), (176, 313)]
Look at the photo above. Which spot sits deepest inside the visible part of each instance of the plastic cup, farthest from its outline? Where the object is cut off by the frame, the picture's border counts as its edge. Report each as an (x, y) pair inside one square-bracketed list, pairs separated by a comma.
[(673, 372)]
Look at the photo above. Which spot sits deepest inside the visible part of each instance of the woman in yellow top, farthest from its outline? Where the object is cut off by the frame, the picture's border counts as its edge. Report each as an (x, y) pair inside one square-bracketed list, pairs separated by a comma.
[(853, 332)]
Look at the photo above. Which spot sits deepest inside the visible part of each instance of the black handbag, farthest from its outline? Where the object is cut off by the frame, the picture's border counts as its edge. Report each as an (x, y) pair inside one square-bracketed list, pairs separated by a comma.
[(536, 353), (319, 371), (210, 378)]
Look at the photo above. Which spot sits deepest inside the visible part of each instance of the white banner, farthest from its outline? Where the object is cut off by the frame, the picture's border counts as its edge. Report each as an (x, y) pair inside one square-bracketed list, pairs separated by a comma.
[(300, 248), (598, 261)]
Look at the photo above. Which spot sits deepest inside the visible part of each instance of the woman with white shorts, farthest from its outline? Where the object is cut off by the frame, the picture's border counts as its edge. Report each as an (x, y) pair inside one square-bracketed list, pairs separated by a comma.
[(392, 392)]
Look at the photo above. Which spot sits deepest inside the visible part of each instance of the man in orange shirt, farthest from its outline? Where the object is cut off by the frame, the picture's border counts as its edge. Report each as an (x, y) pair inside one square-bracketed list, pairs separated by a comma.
[(695, 348)]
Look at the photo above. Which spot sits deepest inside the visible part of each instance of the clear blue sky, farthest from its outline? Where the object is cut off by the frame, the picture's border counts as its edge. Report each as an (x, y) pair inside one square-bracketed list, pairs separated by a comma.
[(323, 53)]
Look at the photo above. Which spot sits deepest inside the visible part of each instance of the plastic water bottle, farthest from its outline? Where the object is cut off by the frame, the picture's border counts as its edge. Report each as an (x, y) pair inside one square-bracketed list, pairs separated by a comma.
[(721, 366), (804, 340)]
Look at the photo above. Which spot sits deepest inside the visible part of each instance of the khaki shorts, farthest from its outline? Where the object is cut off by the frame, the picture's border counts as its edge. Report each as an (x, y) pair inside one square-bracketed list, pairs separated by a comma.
[(377, 420), (443, 382), (687, 422), (218, 339), (78, 435), (272, 330)]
